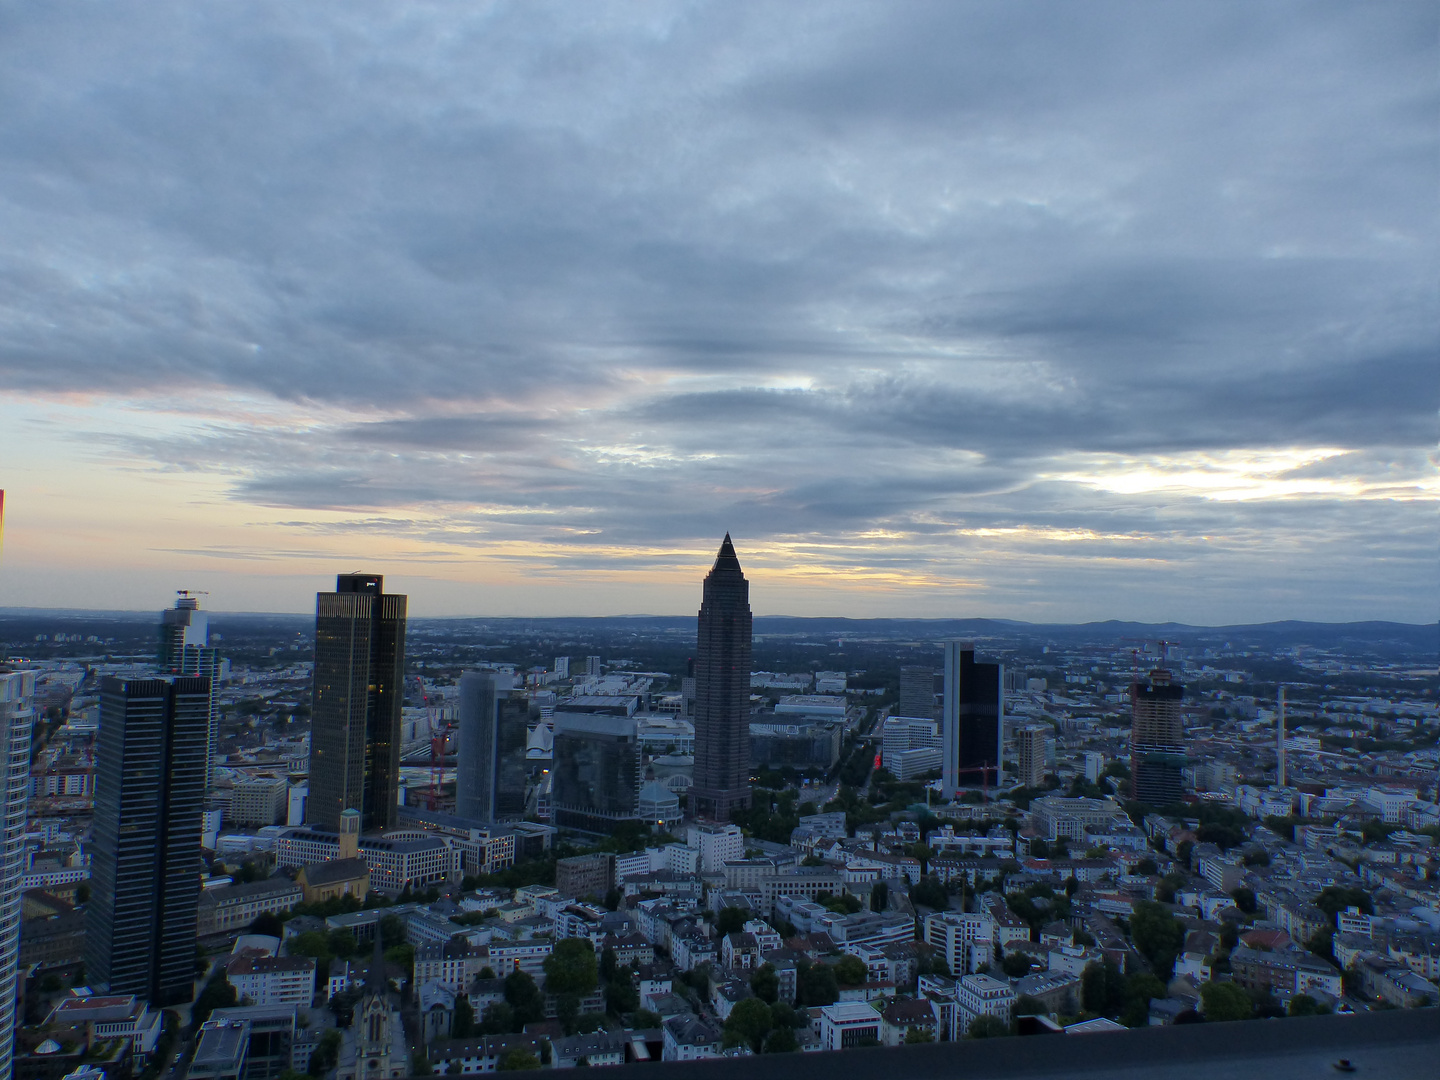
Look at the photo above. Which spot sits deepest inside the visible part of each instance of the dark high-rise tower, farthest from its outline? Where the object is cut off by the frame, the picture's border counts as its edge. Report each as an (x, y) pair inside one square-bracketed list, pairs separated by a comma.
[(1157, 739), (355, 725), (972, 728), (722, 692), (145, 862), (185, 650), (492, 769)]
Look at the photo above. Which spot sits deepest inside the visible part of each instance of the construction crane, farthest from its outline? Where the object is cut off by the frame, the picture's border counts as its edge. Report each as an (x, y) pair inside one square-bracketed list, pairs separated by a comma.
[(984, 769), (1135, 653)]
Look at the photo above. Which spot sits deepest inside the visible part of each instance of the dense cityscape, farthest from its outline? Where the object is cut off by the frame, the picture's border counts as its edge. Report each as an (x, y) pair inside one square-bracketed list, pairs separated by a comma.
[(371, 844)]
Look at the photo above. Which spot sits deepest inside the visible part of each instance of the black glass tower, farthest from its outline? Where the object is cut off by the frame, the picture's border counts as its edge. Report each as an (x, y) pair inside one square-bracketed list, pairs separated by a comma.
[(972, 726), (492, 769), (355, 716), (722, 692), (1157, 739), (596, 772), (145, 856)]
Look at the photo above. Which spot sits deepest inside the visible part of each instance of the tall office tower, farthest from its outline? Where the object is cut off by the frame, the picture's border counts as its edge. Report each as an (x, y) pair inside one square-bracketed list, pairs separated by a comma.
[(17, 714), (917, 692), (562, 667), (1030, 750), (596, 771), (973, 722), (185, 650), (491, 767), (145, 856), (355, 718), (722, 692), (1157, 739)]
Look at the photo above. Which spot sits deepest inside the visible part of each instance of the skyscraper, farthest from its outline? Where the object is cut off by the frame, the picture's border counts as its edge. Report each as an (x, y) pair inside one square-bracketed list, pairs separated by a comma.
[(145, 856), (1030, 753), (491, 767), (973, 722), (17, 715), (596, 771), (917, 692), (355, 717), (722, 691), (1157, 739), (185, 650)]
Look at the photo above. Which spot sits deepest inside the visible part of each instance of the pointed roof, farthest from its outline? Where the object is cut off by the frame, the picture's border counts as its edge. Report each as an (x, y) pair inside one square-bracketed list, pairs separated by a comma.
[(726, 559)]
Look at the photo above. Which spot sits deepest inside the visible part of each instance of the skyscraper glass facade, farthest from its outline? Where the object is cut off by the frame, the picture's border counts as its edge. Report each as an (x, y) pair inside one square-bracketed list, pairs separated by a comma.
[(722, 691)]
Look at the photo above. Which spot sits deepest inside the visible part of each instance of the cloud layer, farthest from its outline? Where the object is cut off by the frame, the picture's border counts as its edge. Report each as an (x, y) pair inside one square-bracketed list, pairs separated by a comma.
[(1034, 308)]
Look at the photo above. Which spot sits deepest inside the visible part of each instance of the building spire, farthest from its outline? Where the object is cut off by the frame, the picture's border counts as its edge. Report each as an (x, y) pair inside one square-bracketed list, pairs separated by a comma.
[(726, 559)]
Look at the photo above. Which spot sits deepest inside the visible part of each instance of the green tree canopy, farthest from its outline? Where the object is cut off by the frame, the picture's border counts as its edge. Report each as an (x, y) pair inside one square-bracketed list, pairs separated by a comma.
[(730, 920), (524, 997), (463, 1023), (987, 1027), (1225, 1001), (850, 971), (517, 1059), (765, 984), (571, 967), (781, 1040), (1334, 899), (749, 1020), (815, 985), (1158, 935), (918, 1035)]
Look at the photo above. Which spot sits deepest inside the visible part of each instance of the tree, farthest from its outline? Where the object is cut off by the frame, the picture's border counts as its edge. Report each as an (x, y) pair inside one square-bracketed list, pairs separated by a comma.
[(987, 1027), (783, 1015), (571, 968), (815, 985), (1158, 935), (781, 1040), (267, 923), (499, 1019), (1334, 899), (1245, 899), (879, 896), (765, 984), (524, 997), (392, 931), (462, 1025), (342, 943), (217, 994), (1140, 987), (1016, 965), (608, 964), (731, 920), (324, 1056), (918, 1035), (930, 893), (420, 1064), (1025, 1005), (621, 995), (1305, 1005), (850, 971), (567, 1008), (517, 1059), (1102, 989), (613, 898), (1225, 1001), (750, 1021)]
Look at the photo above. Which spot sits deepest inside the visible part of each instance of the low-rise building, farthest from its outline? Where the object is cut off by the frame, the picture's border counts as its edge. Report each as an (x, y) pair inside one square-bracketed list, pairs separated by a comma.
[(272, 980), (234, 907), (848, 1024)]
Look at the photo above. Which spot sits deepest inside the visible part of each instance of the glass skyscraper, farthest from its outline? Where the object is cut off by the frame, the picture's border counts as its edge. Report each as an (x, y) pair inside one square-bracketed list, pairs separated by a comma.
[(17, 718), (492, 769), (972, 725), (185, 650), (596, 771), (145, 853), (1157, 739), (722, 691), (355, 714)]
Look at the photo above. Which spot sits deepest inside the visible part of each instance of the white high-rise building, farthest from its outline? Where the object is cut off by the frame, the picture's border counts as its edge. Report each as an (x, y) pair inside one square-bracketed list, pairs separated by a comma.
[(185, 650), (17, 715)]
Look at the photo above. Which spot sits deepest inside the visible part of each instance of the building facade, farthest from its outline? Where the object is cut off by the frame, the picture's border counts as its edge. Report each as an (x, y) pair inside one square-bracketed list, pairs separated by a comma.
[(973, 725), (1157, 739), (722, 691), (17, 718), (596, 771), (917, 692), (1030, 753), (492, 769), (185, 650), (145, 861), (355, 726)]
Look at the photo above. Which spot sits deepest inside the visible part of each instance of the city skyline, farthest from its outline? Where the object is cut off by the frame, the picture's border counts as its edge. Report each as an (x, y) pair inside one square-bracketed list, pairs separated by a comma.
[(944, 310)]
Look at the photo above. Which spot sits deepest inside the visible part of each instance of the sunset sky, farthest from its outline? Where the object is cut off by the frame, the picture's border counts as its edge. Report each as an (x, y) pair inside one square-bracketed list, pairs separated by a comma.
[(1044, 311)]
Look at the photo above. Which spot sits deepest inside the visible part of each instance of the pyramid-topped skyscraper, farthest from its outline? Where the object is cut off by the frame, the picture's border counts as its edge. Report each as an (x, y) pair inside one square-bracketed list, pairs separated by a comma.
[(722, 692)]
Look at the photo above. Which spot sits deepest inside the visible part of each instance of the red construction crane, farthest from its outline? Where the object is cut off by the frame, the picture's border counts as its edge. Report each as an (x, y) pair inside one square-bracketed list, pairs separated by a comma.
[(984, 769)]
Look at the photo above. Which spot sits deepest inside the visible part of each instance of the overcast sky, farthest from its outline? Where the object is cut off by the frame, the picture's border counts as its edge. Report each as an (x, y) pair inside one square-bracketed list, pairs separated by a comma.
[(1049, 311)]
